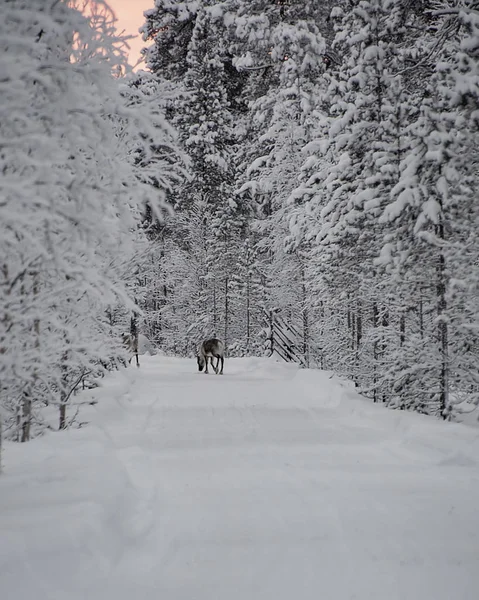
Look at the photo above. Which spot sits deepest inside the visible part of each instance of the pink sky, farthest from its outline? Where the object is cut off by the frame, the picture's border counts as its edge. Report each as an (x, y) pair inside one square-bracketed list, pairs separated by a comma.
[(130, 17)]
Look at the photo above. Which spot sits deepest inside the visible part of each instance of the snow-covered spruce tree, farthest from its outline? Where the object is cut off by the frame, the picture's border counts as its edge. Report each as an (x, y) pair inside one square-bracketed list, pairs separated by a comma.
[(174, 274), (158, 162), (202, 106), (354, 105), (68, 199), (281, 46), (346, 182), (389, 177), (434, 203), (169, 26), (249, 301)]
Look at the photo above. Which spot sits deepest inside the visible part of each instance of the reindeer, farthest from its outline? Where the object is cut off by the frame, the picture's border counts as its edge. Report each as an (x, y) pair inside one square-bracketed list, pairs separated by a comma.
[(130, 343), (210, 349)]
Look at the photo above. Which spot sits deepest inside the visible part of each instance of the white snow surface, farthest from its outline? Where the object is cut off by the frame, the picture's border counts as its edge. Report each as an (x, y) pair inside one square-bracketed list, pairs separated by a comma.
[(267, 483)]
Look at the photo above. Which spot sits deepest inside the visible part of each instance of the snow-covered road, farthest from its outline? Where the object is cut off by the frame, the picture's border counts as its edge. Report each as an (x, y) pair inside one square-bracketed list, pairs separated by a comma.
[(265, 483)]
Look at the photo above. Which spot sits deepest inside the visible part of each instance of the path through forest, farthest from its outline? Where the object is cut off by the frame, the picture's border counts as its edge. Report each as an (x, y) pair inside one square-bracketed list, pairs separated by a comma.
[(266, 483)]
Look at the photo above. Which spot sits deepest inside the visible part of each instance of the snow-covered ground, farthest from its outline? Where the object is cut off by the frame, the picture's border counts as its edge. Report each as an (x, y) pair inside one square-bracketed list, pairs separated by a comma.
[(265, 483)]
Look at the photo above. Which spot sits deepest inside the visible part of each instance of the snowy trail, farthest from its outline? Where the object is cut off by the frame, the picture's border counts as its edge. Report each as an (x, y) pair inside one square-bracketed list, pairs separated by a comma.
[(266, 483)]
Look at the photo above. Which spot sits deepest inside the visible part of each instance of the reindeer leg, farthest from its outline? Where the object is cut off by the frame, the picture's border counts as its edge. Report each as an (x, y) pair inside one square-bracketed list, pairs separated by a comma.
[(206, 365), (222, 363)]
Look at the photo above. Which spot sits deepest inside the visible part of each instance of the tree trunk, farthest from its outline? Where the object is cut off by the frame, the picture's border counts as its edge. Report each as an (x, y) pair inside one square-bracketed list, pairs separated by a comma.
[(134, 336), (352, 327), (442, 330), (227, 316), (63, 395), (421, 318), (248, 312), (63, 416), (375, 351), (359, 327), (306, 335), (402, 329), (215, 317), (26, 418)]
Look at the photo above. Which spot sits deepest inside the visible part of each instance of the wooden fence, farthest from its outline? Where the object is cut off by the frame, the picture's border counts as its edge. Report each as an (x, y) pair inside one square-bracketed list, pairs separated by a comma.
[(284, 340)]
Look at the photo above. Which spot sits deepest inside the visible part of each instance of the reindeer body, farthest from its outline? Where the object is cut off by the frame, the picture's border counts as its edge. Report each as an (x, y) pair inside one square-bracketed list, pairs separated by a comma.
[(130, 343), (209, 350)]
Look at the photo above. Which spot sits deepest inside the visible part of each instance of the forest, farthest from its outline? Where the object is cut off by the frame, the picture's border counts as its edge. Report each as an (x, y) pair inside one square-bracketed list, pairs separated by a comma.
[(311, 159)]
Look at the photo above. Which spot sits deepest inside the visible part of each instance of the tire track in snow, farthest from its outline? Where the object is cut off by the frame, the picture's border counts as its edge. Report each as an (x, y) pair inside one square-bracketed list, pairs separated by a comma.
[(264, 496)]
